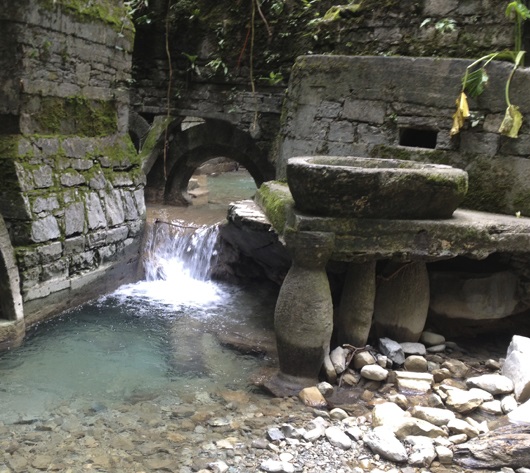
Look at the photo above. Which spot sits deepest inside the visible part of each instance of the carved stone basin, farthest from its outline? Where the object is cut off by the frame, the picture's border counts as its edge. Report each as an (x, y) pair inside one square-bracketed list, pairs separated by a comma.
[(332, 186)]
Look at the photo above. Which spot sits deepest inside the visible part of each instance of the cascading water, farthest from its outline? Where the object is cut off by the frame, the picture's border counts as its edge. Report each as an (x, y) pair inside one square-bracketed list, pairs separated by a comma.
[(156, 338)]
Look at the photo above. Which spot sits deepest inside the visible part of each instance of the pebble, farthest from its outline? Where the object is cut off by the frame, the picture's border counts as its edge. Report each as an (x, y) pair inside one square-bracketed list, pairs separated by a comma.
[(374, 372), (380, 430)]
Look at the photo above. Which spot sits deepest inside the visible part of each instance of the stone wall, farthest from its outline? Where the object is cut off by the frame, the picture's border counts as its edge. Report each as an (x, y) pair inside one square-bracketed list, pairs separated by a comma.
[(203, 33), (72, 193), (402, 108)]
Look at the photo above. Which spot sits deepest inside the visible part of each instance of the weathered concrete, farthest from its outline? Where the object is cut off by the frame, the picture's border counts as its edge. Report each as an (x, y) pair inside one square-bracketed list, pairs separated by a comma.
[(401, 108)]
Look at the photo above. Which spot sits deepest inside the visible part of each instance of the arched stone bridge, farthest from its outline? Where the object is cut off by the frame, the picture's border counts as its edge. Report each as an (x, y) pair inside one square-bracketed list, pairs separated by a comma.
[(187, 149)]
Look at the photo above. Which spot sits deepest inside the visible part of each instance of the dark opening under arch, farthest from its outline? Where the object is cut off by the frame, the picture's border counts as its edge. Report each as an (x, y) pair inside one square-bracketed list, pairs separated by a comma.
[(188, 149)]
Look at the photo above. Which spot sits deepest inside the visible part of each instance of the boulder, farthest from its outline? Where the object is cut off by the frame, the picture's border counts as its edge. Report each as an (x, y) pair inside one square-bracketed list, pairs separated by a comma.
[(382, 441), (422, 452), (374, 372), (431, 339), (517, 366), (363, 358), (492, 383), (463, 401), (387, 413), (392, 349), (473, 296), (434, 415), (415, 363)]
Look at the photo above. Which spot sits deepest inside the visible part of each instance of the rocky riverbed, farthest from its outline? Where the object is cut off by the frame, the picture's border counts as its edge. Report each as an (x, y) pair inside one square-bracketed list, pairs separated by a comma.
[(371, 425)]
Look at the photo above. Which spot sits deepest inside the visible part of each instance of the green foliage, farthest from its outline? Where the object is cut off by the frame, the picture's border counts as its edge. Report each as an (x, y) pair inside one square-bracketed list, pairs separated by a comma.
[(475, 78), (274, 78)]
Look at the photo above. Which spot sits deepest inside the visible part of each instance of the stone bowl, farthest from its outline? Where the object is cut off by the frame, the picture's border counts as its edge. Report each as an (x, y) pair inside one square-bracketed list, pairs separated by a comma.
[(332, 186)]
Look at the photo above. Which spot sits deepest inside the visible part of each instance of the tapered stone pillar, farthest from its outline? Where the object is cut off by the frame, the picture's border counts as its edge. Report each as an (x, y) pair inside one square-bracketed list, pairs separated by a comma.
[(304, 312), (357, 304), (402, 303)]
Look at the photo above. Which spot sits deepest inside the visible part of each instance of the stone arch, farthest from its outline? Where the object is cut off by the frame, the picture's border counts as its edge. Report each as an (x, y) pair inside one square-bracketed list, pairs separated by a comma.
[(12, 327), (188, 149)]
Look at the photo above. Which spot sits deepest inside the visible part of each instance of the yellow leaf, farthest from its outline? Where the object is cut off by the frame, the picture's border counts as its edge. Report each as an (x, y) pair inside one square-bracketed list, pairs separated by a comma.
[(462, 112), (513, 119)]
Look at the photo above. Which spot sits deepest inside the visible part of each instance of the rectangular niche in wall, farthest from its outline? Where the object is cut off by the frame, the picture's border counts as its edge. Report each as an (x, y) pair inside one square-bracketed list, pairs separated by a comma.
[(418, 137)]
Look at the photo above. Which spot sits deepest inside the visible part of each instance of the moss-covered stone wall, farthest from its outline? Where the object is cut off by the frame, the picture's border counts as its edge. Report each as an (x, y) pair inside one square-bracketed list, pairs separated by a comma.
[(402, 108), (210, 44), (72, 184)]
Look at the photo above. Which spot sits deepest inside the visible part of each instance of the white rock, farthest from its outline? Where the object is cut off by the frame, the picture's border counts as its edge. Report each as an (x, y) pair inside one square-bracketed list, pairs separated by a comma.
[(319, 422), (521, 414), (275, 466), (434, 415), (338, 438), (458, 438), (492, 407), (517, 368), (411, 381), (218, 466), (387, 413), (355, 433), (314, 434), (459, 426), (416, 363), (384, 361), (492, 383), (374, 372), (410, 348), (462, 401), (325, 388), (382, 441), (363, 358), (431, 339), (508, 404), (338, 358), (338, 414), (445, 455), (286, 456), (422, 452), (413, 426), (485, 395)]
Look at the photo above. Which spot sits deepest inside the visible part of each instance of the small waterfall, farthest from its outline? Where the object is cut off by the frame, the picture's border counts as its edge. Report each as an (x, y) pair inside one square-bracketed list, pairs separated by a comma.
[(176, 246), (178, 259)]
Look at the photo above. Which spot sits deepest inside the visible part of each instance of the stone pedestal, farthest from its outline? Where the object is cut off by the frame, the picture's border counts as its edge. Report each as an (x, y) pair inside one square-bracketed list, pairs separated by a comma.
[(304, 311), (357, 304)]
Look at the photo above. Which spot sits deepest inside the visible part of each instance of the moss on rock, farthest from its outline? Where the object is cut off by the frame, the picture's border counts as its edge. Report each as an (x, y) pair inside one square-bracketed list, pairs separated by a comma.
[(275, 200)]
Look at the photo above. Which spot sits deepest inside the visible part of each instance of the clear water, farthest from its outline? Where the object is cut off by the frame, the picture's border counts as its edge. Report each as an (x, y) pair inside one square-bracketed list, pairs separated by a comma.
[(158, 336)]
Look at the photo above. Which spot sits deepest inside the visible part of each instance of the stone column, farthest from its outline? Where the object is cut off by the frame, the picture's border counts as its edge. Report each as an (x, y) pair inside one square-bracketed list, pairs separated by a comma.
[(357, 304), (402, 303), (304, 311)]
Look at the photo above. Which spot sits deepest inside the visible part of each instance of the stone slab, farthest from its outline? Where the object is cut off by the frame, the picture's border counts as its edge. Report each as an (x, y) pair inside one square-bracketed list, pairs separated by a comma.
[(467, 233)]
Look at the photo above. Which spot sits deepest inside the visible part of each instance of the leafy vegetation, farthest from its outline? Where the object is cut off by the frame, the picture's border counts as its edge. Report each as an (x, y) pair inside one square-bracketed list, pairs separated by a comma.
[(476, 78)]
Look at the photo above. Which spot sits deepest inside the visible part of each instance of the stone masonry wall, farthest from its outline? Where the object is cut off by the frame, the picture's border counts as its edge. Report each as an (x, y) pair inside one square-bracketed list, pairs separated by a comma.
[(217, 33), (72, 186), (402, 108)]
